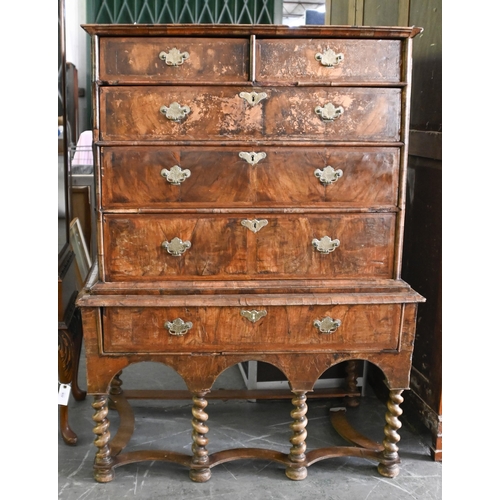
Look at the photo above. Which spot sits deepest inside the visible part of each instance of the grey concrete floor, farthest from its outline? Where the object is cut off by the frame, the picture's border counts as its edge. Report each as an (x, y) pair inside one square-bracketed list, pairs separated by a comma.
[(165, 424)]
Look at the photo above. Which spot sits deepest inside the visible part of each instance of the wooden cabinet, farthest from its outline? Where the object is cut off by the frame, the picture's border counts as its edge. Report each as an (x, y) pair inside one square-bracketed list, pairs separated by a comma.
[(251, 195)]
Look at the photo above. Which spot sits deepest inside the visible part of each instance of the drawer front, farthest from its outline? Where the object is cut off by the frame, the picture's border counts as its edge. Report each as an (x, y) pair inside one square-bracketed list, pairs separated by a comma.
[(159, 177), (215, 113), (248, 329), (320, 60), (186, 60), (161, 247)]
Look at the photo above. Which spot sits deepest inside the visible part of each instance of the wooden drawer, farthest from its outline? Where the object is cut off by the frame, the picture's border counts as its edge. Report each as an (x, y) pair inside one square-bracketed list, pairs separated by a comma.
[(324, 60), (136, 177), (216, 113), (225, 329), (221, 247), (137, 60)]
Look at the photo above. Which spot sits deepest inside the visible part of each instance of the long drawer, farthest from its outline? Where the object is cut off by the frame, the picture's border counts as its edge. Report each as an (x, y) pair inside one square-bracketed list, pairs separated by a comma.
[(249, 113), (242, 329), (159, 177), (325, 246)]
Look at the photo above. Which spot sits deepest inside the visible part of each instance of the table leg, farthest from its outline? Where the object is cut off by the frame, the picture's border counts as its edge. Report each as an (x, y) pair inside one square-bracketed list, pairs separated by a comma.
[(297, 455), (198, 473), (103, 471), (389, 466)]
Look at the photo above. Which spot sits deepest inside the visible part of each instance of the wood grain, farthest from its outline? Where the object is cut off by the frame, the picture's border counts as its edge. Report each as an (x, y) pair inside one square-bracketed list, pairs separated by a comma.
[(132, 329), (294, 60), (221, 247), (129, 60), (250, 285), (219, 177), (216, 113)]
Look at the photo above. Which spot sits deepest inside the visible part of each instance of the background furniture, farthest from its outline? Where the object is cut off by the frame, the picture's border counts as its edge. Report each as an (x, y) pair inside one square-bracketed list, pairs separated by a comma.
[(69, 319)]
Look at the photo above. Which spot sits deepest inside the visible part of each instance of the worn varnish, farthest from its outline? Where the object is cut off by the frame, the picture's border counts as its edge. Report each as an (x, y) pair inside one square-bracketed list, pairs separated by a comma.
[(250, 192), (216, 113), (210, 59), (294, 60)]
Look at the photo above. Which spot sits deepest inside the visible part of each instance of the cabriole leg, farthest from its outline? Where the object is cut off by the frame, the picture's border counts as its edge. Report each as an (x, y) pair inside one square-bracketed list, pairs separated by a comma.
[(389, 466), (200, 441), (298, 439), (103, 472)]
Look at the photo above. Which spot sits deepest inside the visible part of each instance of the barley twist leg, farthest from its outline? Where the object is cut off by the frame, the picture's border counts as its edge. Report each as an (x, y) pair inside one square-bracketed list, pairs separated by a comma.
[(351, 382), (116, 384), (297, 452), (200, 441), (115, 389), (103, 472), (388, 467)]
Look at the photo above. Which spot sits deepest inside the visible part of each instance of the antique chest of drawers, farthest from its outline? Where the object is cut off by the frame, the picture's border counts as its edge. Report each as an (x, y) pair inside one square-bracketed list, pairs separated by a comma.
[(250, 185)]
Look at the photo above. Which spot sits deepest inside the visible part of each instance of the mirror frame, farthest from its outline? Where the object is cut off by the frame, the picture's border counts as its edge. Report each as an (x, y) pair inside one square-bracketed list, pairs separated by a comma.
[(62, 92)]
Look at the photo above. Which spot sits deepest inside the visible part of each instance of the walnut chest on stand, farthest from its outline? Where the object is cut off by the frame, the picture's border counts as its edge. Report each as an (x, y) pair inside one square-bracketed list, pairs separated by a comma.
[(250, 186)]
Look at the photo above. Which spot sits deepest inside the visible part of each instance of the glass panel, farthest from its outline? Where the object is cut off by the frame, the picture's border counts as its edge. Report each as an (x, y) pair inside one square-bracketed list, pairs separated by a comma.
[(63, 197), (298, 13)]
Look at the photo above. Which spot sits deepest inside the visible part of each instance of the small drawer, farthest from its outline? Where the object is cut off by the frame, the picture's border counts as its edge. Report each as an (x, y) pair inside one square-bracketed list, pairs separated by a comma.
[(328, 60), (175, 113), (157, 177), (276, 246), (361, 327), (176, 59)]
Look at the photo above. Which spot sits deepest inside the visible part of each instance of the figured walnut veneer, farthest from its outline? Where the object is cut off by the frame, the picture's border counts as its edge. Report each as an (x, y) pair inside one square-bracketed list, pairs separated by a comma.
[(250, 185)]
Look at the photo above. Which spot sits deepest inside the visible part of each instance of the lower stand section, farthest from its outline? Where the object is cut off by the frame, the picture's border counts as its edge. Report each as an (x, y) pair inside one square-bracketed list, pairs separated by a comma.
[(109, 452)]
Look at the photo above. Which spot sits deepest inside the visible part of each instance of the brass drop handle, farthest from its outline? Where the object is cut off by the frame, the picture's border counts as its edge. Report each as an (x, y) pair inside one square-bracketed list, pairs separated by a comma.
[(175, 175), (328, 112), (328, 175), (327, 325), (174, 57), (253, 315), (329, 58), (325, 245), (176, 246), (178, 327), (175, 112)]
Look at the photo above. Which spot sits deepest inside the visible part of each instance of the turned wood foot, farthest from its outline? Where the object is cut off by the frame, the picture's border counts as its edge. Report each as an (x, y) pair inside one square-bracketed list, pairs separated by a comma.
[(103, 463), (198, 472), (69, 437), (351, 383), (297, 454), (388, 466)]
